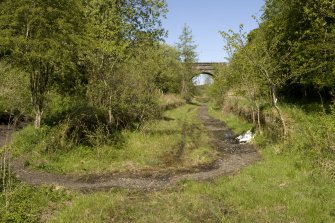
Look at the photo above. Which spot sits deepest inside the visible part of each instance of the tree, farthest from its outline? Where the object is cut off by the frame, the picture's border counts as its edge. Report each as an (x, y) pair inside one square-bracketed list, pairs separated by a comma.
[(188, 56), (14, 90), (116, 28), (309, 28), (167, 68), (257, 50), (41, 37)]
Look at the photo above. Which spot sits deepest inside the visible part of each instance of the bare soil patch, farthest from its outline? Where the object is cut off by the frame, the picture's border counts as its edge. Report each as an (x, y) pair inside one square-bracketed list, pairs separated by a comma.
[(232, 158)]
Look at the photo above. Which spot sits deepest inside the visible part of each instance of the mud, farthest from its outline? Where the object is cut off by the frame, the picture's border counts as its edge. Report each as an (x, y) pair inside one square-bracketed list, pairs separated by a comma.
[(232, 158)]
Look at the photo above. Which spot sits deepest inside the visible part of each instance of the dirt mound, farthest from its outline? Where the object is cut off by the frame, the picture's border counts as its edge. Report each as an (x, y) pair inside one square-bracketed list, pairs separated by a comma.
[(233, 157)]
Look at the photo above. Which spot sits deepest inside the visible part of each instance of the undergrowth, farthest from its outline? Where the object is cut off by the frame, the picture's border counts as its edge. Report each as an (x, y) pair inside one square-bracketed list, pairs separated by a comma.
[(237, 124), (23, 203), (178, 140), (287, 185)]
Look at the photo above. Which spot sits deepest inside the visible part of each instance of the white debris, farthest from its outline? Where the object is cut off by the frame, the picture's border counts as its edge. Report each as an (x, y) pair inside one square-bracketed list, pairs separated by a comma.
[(246, 137)]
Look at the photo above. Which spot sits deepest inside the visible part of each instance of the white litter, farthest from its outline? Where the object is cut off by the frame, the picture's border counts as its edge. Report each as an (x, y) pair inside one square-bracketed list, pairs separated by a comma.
[(246, 137)]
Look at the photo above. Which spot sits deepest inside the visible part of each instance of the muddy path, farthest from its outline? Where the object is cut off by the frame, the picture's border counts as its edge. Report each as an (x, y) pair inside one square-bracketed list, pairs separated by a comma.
[(232, 158)]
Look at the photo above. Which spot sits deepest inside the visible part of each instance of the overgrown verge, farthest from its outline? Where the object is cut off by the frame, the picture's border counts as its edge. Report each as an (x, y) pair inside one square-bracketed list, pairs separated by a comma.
[(309, 129), (177, 142), (171, 101), (284, 187), (23, 203), (312, 134)]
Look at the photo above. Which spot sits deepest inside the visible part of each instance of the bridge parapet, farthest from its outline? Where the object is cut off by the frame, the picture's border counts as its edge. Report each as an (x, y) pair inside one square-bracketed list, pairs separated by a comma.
[(207, 67)]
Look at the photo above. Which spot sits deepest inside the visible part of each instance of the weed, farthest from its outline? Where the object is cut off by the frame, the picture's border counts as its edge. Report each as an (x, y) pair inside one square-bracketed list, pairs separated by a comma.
[(27, 204), (154, 146)]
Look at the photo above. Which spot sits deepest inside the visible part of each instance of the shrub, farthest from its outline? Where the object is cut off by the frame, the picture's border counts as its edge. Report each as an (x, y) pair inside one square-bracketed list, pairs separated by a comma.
[(84, 125), (29, 139)]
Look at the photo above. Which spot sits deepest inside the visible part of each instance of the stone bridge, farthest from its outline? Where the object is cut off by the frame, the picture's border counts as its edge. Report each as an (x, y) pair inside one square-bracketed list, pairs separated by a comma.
[(206, 68)]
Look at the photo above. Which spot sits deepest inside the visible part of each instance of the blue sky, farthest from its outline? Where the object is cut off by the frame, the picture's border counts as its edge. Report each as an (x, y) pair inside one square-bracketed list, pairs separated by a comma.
[(206, 18)]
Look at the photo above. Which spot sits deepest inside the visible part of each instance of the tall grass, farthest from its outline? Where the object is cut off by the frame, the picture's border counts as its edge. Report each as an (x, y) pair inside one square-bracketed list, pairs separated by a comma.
[(31, 204), (176, 141), (312, 134)]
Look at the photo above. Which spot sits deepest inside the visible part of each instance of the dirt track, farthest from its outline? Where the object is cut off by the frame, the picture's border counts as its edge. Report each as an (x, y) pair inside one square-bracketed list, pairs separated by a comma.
[(233, 157)]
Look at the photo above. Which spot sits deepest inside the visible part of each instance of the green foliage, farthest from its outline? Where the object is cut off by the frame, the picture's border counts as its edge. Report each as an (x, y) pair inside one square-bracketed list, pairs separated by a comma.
[(290, 54), (155, 146), (308, 28), (81, 126), (59, 106), (186, 46), (118, 29), (14, 90), (133, 100), (28, 139), (161, 63), (41, 37), (65, 52), (27, 204), (312, 133), (188, 56)]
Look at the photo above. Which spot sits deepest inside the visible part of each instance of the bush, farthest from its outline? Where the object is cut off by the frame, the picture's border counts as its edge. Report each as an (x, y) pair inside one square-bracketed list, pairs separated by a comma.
[(84, 125), (59, 106)]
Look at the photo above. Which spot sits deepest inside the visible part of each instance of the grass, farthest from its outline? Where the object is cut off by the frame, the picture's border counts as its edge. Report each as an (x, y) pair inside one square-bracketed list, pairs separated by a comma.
[(170, 101), (280, 188), (235, 123), (285, 186), (26, 204), (166, 99), (156, 146)]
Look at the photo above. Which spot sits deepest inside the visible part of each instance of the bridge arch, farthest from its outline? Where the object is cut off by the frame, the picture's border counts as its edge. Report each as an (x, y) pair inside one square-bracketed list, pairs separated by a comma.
[(206, 68), (203, 78)]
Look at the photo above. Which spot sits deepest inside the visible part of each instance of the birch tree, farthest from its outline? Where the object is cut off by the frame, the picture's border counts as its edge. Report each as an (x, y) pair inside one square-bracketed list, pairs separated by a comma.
[(40, 37)]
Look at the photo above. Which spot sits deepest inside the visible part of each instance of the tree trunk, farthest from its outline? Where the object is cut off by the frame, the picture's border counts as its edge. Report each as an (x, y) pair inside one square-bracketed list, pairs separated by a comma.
[(258, 116), (253, 116), (275, 104), (38, 117), (322, 104), (110, 117)]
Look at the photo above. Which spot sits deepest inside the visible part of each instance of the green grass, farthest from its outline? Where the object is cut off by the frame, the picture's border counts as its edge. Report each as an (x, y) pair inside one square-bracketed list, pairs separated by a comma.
[(281, 188), (31, 204), (285, 186), (152, 148), (170, 99), (235, 123)]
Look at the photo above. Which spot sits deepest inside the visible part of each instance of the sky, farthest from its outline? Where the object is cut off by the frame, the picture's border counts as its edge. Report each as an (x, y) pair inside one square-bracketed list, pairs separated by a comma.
[(206, 18)]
